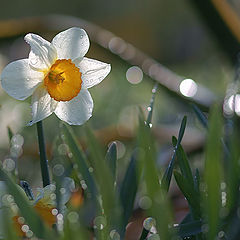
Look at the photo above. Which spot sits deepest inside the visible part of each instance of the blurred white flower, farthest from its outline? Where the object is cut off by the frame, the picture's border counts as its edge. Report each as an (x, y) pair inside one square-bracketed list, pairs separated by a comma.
[(45, 203), (57, 75)]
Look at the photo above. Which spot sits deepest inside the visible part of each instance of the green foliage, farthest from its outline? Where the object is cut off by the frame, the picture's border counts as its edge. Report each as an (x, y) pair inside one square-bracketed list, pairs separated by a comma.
[(111, 158), (128, 191), (110, 192), (79, 157), (32, 219), (212, 172), (168, 173)]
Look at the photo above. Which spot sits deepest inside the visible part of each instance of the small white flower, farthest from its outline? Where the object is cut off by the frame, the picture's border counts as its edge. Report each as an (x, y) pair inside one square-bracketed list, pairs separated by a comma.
[(57, 75)]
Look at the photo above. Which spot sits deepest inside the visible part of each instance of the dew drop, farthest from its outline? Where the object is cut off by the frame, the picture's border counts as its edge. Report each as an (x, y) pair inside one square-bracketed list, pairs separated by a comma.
[(100, 222), (62, 190), (21, 220), (9, 164), (221, 234), (54, 212), (25, 228), (29, 234), (17, 140), (63, 149), (149, 223), (114, 235), (58, 170), (73, 217)]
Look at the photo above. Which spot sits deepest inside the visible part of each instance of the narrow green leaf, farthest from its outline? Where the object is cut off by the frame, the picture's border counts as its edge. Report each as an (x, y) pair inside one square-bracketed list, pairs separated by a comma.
[(200, 115), (74, 230), (105, 182), (174, 141), (150, 108), (7, 230), (10, 134), (128, 190), (212, 173), (111, 158), (233, 172), (188, 218), (189, 229), (197, 181), (79, 158), (184, 165), (31, 217), (182, 130), (204, 121), (160, 209), (166, 179), (189, 193), (144, 234)]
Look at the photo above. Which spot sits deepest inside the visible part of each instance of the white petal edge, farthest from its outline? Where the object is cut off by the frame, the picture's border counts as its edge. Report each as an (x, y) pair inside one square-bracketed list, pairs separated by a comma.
[(19, 80), (78, 110), (42, 105), (71, 44), (93, 71), (42, 54)]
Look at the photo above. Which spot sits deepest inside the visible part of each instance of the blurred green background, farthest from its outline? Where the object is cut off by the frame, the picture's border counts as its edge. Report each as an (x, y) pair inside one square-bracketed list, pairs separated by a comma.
[(171, 32)]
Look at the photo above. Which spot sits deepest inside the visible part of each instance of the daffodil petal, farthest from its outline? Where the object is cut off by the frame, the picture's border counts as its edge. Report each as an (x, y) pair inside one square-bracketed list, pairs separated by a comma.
[(71, 44), (93, 71), (42, 53), (78, 110), (42, 105), (19, 80)]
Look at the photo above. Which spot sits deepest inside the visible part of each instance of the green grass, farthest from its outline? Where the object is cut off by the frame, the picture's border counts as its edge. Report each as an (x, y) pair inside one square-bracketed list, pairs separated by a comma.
[(110, 200)]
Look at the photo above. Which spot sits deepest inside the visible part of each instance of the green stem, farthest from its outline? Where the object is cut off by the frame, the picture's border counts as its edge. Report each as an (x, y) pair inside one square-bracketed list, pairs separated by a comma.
[(43, 156)]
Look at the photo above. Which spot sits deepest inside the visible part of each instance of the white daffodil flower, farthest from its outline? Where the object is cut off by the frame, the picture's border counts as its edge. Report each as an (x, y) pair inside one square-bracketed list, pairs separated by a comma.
[(57, 75)]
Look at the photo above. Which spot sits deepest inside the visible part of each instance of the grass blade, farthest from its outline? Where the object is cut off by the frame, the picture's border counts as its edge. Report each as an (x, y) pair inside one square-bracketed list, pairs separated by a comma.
[(189, 229), (10, 134), (128, 190), (105, 182), (166, 179), (182, 130), (111, 158), (184, 165), (189, 193), (200, 115), (79, 158), (150, 107), (159, 209), (212, 172), (197, 181)]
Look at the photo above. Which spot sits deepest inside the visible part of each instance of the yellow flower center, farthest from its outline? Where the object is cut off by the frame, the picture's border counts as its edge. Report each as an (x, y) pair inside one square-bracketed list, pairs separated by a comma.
[(63, 80)]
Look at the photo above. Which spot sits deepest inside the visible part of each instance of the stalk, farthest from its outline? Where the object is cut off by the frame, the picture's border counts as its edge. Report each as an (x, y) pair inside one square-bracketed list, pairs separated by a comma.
[(43, 156)]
